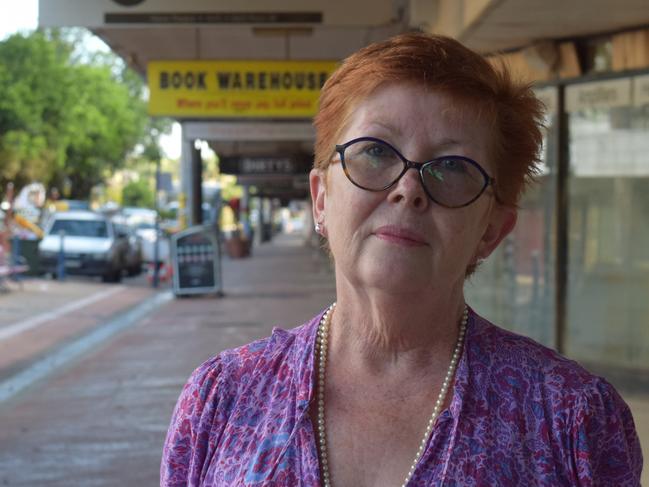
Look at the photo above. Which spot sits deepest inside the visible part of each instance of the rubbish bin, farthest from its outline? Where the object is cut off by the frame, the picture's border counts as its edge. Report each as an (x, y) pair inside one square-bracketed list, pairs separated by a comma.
[(237, 245), (29, 251)]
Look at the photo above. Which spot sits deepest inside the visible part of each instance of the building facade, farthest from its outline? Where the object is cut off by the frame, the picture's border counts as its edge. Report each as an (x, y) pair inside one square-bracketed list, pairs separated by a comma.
[(575, 272)]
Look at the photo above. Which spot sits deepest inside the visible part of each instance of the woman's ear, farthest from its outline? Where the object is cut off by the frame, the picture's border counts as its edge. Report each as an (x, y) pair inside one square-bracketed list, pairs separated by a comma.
[(502, 220), (318, 194)]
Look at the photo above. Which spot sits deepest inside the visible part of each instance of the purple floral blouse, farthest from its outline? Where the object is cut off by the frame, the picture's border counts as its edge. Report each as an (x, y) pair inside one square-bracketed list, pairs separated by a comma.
[(520, 415)]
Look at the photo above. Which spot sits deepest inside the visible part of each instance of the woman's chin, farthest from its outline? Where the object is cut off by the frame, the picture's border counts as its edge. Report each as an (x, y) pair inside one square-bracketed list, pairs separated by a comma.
[(397, 277)]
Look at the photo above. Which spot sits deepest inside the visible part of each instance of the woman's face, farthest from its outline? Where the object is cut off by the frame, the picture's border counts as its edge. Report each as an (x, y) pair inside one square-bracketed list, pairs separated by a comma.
[(398, 240)]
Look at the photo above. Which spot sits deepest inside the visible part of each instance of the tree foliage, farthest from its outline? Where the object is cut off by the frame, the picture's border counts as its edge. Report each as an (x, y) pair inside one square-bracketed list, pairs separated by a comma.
[(138, 193), (66, 118)]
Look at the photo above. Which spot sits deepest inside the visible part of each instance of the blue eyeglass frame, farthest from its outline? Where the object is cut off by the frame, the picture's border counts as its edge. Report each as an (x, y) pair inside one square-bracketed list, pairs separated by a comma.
[(418, 166)]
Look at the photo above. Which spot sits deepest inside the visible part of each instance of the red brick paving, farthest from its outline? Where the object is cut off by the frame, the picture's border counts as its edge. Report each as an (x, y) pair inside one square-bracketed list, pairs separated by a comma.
[(17, 351)]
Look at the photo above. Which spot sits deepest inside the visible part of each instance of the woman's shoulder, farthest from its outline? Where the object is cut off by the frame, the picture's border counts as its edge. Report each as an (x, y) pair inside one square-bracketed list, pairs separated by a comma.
[(521, 361), (232, 369), (520, 385), (245, 383)]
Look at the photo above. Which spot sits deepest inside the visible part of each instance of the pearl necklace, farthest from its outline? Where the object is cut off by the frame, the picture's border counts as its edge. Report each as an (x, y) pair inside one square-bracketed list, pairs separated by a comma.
[(322, 342)]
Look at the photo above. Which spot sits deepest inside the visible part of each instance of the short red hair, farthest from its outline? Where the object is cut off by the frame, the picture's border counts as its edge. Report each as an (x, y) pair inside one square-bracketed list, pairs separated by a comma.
[(440, 63)]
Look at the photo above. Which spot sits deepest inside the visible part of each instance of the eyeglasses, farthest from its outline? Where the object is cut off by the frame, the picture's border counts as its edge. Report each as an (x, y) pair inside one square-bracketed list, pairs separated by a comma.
[(451, 181)]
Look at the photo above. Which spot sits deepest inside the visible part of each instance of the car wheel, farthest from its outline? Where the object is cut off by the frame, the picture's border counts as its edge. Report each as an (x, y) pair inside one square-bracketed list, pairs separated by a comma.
[(134, 271), (112, 276)]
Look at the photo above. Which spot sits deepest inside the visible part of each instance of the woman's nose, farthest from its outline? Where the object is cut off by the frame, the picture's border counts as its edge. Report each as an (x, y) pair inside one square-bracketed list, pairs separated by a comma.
[(409, 190)]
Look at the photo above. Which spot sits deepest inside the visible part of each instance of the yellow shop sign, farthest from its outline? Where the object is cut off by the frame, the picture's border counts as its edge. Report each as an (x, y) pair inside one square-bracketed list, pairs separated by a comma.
[(236, 89)]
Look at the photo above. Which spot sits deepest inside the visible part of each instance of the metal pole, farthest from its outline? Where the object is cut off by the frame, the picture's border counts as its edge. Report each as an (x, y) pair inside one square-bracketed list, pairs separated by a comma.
[(15, 250), (196, 203), (186, 197), (219, 256), (5, 236), (60, 268), (561, 270), (156, 244), (15, 257)]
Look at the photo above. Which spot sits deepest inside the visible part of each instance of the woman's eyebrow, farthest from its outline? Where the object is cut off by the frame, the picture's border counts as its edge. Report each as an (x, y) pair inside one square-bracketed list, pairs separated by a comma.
[(385, 125), (446, 143), (441, 145)]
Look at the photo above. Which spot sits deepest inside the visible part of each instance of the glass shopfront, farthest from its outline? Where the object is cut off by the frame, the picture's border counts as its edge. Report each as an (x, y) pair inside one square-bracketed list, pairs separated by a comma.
[(607, 205), (608, 267), (515, 287)]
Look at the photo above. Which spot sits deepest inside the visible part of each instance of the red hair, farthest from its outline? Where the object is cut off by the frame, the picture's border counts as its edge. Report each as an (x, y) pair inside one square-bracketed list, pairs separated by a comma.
[(510, 108)]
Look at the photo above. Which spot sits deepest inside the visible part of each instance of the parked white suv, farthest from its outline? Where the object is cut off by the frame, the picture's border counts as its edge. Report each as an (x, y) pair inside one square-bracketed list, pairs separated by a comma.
[(92, 245)]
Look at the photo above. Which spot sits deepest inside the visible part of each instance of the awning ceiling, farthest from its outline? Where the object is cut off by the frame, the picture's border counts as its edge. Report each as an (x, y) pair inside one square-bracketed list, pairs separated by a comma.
[(509, 24), (502, 25), (139, 45)]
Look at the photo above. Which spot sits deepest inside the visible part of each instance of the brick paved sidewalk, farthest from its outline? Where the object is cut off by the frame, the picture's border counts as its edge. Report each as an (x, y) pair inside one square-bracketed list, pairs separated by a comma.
[(34, 296)]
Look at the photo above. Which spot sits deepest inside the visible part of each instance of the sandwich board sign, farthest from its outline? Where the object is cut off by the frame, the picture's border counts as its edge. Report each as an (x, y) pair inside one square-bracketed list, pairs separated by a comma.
[(196, 260)]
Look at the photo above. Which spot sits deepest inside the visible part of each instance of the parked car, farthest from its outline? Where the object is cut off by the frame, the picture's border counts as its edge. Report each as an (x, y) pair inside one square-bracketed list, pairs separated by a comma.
[(143, 222), (92, 245), (134, 252), (147, 232), (135, 215)]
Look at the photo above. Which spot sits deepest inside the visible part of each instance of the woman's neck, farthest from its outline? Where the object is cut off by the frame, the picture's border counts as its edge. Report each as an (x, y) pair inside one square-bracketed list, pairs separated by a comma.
[(378, 330)]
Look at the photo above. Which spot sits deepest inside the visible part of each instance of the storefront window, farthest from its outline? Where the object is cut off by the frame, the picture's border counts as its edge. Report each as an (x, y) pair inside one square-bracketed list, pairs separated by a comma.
[(608, 283), (515, 287)]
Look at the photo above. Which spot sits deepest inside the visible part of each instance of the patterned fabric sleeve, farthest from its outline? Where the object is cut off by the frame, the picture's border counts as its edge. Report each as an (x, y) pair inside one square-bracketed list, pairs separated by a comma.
[(192, 423), (606, 447)]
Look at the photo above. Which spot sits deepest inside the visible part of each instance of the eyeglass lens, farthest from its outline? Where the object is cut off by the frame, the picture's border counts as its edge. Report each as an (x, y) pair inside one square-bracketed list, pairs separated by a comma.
[(451, 180)]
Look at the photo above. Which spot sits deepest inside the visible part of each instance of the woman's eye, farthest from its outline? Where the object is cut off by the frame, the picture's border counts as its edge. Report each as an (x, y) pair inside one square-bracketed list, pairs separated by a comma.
[(376, 150), (453, 165)]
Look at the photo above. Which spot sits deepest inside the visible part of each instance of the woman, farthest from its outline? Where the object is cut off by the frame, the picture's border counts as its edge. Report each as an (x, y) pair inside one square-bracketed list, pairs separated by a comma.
[(400, 382)]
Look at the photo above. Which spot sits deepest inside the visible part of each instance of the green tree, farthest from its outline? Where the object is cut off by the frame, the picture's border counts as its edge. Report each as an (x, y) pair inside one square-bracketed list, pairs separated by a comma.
[(34, 82), (108, 124), (66, 116), (138, 193)]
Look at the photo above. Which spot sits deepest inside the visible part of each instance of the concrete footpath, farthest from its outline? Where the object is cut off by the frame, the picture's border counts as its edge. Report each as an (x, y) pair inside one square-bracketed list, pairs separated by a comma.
[(100, 419)]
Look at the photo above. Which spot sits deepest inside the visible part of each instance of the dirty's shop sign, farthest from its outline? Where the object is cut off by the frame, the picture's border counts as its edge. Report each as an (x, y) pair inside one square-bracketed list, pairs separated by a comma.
[(236, 89)]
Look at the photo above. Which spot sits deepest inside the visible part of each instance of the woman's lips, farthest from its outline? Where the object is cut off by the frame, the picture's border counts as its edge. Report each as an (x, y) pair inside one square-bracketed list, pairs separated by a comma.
[(400, 236)]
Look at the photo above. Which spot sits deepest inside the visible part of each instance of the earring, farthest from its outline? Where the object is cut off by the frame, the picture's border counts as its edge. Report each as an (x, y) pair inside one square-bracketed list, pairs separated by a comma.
[(318, 228)]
